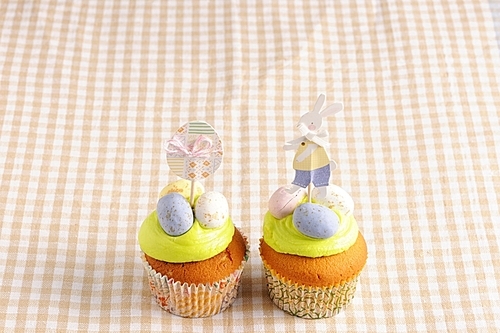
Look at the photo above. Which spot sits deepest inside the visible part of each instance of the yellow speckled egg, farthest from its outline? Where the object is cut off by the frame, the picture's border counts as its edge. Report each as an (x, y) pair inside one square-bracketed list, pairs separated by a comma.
[(183, 187)]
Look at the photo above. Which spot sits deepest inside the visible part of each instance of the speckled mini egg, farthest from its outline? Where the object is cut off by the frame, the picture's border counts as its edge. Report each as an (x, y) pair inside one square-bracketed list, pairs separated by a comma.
[(336, 197), (175, 214), (211, 209), (183, 187), (315, 220), (282, 203)]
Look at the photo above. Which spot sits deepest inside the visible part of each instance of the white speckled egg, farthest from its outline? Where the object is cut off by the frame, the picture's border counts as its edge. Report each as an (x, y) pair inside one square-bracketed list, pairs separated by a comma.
[(282, 203), (211, 209), (175, 214), (315, 220), (336, 197), (183, 187)]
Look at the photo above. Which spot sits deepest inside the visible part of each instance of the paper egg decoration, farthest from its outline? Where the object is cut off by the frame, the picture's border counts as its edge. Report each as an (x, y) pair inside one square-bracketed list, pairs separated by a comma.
[(195, 151)]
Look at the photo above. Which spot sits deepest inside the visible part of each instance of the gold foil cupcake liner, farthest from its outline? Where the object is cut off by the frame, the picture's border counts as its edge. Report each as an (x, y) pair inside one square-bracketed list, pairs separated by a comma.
[(190, 300), (306, 301)]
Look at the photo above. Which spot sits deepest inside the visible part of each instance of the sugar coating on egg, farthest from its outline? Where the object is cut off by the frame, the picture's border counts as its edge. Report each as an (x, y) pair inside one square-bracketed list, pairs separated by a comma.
[(282, 203), (315, 220), (211, 209), (336, 197), (175, 214)]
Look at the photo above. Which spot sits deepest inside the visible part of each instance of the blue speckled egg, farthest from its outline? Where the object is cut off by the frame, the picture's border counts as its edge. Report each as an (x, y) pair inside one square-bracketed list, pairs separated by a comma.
[(175, 214), (315, 220)]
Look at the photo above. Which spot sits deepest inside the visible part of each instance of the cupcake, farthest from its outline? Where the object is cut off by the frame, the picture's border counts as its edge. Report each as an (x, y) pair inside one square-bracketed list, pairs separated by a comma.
[(312, 250), (192, 252)]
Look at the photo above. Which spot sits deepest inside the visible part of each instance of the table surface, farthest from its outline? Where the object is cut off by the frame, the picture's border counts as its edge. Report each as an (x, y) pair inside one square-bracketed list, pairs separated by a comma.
[(90, 90)]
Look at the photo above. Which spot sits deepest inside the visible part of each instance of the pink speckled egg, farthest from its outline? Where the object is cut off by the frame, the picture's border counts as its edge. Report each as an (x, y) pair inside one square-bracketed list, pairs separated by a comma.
[(282, 203)]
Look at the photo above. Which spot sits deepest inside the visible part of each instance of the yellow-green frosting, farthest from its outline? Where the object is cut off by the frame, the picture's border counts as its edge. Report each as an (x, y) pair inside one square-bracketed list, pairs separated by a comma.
[(283, 237), (195, 245)]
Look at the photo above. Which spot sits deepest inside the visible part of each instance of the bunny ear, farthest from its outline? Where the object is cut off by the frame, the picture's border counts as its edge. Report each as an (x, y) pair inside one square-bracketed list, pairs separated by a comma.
[(332, 109), (319, 104)]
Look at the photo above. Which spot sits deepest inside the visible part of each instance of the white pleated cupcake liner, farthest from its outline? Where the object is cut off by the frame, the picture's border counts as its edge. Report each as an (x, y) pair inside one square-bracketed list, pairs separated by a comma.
[(190, 300)]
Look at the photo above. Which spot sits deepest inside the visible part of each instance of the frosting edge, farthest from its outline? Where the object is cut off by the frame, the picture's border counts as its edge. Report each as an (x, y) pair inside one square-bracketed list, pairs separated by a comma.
[(196, 244), (283, 237)]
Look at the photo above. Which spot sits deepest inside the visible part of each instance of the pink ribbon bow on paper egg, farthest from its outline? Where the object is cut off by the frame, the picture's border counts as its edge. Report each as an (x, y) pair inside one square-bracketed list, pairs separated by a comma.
[(201, 147), (195, 151)]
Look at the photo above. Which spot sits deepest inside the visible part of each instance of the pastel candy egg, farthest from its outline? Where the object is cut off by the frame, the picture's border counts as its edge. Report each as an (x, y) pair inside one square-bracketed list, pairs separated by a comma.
[(211, 209), (175, 214), (336, 197), (315, 221), (282, 203), (183, 187)]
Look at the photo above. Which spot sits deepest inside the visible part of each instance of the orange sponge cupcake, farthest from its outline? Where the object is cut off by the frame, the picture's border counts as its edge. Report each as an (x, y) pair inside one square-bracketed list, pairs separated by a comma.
[(320, 272), (312, 249), (310, 277), (196, 273), (192, 252), (212, 270)]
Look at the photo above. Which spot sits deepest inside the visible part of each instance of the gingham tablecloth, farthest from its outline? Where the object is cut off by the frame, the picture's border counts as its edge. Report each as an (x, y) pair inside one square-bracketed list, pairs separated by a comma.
[(89, 90)]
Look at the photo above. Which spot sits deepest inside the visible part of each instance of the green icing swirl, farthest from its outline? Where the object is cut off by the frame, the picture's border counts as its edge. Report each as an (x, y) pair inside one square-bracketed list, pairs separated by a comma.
[(195, 245), (283, 237)]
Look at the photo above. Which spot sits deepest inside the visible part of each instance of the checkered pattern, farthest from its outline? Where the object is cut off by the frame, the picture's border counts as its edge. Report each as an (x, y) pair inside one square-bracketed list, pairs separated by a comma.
[(89, 91)]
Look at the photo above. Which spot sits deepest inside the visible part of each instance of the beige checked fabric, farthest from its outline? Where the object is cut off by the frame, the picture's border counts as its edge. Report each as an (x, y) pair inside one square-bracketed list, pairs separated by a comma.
[(89, 90)]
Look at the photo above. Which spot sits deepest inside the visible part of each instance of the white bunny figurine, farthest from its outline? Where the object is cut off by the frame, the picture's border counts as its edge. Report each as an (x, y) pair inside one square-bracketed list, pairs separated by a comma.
[(311, 161)]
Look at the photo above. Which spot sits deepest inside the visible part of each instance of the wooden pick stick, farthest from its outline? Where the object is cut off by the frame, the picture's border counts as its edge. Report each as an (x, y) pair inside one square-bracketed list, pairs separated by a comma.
[(191, 197), (309, 190)]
